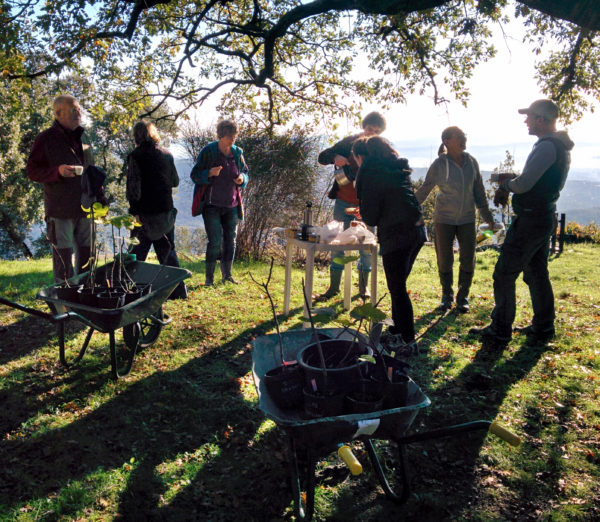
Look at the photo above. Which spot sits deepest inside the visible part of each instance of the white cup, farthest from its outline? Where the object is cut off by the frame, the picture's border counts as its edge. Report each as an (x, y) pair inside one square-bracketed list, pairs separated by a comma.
[(78, 169)]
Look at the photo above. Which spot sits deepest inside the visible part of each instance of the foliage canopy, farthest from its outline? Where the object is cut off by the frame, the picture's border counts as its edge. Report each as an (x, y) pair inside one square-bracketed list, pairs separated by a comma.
[(273, 59)]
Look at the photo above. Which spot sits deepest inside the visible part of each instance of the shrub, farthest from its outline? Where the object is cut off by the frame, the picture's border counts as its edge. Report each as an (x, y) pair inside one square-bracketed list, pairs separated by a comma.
[(589, 233)]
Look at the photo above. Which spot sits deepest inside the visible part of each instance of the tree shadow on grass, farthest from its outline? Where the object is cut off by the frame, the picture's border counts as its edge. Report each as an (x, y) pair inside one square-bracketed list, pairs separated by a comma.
[(443, 473), (44, 384), (192, 426), (476, 393), (30, 333)]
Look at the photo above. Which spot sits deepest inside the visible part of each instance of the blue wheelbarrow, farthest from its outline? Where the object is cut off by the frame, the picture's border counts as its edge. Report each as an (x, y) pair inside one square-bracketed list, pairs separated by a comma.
[(311, 439)]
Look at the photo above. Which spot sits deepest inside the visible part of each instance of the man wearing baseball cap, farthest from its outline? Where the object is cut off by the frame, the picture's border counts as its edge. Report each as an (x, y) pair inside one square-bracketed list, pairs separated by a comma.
[(525, 248)]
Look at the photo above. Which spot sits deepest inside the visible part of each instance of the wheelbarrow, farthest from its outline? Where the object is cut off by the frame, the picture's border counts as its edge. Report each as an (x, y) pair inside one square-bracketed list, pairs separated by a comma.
[(142, 320), (311, 439)]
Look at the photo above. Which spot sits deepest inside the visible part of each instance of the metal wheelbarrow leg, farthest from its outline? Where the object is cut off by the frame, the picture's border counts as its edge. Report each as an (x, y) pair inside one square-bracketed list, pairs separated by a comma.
[(390, 493), (448, 431), (61, 345), (302, 476)]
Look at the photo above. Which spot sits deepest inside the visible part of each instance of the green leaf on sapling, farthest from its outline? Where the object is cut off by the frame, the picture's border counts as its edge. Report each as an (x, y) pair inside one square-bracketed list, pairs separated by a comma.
[(367, 358), (367, 311), (342, 260)]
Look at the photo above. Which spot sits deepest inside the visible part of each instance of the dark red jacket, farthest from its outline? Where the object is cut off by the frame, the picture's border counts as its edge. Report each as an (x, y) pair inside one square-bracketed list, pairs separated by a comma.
[(53, 147)]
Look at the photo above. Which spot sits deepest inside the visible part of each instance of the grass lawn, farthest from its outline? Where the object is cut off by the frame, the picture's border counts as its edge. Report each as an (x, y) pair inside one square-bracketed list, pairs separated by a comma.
[(181, 437)]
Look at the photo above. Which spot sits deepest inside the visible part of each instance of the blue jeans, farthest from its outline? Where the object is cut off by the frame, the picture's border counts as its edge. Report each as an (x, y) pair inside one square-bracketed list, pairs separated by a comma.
[(525, 249), (220, 224), (364, 262)]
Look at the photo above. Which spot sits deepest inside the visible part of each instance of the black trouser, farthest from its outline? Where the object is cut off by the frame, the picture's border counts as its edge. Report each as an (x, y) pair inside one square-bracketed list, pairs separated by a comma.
[(525, 249), (397, 265), (165, 252), (164, 248)]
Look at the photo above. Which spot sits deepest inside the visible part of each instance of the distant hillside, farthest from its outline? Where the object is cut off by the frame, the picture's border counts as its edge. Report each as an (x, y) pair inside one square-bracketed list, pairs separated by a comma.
[(579, 200)]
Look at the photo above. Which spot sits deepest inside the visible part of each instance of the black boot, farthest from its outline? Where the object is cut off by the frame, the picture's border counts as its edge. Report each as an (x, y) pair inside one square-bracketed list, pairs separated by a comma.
[(447, 292), (226, 267), (62, 264), (462, 296), (210, 273), (180, 292)]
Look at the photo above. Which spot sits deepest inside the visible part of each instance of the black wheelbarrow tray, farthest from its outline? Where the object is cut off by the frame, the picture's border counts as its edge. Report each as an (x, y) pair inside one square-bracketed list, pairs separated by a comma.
[(142, 320), (312, 439)]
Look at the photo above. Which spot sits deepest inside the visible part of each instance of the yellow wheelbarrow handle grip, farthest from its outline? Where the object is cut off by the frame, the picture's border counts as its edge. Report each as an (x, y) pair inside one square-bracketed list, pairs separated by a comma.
[(345, 453), (504, 434)]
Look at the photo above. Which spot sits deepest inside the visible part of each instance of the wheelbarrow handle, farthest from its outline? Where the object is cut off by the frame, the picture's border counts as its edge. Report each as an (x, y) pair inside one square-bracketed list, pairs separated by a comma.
[(33, 311), (504, 434), (491, 427)]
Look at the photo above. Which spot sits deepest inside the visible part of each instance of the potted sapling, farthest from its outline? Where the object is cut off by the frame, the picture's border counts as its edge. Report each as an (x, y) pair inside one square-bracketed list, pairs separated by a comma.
[(88, 293), (284, 382), (332, 369)]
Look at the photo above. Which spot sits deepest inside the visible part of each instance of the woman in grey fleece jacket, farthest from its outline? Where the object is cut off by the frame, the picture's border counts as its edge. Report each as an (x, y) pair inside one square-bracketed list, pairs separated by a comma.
[(461, 190)]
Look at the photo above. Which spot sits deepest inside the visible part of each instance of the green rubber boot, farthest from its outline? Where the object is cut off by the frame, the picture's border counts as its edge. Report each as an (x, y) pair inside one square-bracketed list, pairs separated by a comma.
[(335, 278)]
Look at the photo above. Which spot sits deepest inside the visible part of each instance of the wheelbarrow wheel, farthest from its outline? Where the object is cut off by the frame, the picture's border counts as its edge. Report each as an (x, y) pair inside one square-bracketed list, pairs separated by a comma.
[(145, 332), (302, 475)]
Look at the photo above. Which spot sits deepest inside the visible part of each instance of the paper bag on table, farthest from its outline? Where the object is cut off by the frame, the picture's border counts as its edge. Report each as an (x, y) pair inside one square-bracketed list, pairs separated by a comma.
[(356, 234)]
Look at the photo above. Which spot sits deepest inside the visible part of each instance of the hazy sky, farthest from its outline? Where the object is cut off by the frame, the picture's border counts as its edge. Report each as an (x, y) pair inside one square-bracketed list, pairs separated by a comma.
[(491, 122)]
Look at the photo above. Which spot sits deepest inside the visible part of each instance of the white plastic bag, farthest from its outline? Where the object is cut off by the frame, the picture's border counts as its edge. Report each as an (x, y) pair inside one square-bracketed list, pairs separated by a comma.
[(356, 234), (329, 231)]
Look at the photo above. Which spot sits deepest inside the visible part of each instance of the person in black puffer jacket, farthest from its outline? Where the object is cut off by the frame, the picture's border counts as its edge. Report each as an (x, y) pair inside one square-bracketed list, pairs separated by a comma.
[(387, 201), (151, 177)]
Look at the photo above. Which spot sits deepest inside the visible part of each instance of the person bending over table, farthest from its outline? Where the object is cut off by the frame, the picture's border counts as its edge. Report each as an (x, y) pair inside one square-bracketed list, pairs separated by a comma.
[(387, 201)]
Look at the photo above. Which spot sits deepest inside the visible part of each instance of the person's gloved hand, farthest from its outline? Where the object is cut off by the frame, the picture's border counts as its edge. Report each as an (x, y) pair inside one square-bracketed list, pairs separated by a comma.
[(501, 197)]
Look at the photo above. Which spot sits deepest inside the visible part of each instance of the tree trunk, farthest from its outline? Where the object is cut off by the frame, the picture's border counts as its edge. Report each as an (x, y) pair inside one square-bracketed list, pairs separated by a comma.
[(12, 231)]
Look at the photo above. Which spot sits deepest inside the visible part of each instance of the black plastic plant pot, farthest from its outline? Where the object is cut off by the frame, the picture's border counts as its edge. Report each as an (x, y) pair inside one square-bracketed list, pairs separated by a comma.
[(284, 385), (68, 293), (369, 396), (88, 296), (132, 295), (110, 300), (396, 392), (387, 368), (342, 366), (318, 405), (144, 288), (392, 373)]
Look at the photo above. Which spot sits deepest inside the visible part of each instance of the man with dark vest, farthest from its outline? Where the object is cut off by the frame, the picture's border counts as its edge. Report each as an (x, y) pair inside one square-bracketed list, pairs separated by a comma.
[(57, 160), (525, 248)]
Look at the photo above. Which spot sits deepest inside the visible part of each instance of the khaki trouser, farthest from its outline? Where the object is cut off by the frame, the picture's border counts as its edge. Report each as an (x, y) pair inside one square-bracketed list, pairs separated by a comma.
[(444, 238)]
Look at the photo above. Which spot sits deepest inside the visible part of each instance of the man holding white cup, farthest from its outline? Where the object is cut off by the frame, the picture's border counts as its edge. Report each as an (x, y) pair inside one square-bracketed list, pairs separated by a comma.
[(57, 160)]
